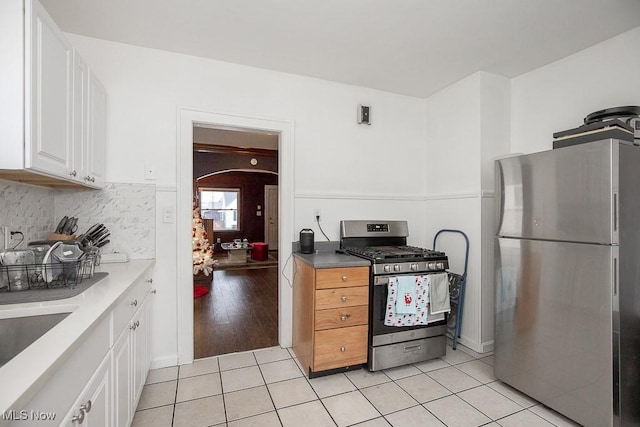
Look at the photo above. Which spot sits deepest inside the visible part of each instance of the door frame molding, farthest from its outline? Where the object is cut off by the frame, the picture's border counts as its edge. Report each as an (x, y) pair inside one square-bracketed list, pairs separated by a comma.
[(187, 118)]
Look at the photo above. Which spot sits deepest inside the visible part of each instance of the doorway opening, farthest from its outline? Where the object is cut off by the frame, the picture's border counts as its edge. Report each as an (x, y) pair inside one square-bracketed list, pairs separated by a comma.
[(187, 119), (235, 193)]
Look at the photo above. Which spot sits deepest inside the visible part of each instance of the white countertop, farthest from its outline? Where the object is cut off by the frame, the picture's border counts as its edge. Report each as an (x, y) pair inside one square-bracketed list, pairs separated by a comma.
[(25, 374)]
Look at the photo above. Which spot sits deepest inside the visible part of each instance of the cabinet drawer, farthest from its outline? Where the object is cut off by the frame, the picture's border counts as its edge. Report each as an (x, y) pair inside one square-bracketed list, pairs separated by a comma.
[(342, 277), (341, 297), (335, 348), (128, 304), (341, 317)]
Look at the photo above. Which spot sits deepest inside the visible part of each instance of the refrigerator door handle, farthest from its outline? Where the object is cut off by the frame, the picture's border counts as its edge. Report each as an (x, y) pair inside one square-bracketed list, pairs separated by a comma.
[(615, 277), (615, 211), (616, 340), (499, 196)]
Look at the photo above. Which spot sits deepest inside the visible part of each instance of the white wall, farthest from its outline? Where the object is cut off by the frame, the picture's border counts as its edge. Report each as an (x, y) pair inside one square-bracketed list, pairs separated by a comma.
[(336, 160), (467, 126), (351, 171), (558, 96), (453, 138)]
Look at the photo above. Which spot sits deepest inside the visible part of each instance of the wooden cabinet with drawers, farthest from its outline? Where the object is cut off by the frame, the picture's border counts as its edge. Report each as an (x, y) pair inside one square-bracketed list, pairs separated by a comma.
[(330, 316)]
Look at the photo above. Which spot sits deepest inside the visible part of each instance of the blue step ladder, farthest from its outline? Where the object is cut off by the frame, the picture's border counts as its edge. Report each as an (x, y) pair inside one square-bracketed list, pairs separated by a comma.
[(457, 284)]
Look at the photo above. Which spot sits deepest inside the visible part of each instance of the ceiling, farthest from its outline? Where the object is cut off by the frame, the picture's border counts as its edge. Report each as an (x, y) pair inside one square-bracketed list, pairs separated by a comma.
[(412, 47)]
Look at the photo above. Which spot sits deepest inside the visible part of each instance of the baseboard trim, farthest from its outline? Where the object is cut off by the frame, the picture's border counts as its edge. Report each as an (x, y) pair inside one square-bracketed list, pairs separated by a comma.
[(487, 347), (164, 362)]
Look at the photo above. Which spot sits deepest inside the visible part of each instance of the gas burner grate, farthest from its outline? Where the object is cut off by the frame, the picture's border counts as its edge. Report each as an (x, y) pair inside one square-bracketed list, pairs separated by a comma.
[(391, 253)]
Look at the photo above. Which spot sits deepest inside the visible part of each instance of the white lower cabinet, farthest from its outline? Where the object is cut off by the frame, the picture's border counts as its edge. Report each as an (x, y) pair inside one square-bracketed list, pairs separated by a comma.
[(93, 407), (131, 359), (123, 395), (73, 381), (140, 347), (100, 382)]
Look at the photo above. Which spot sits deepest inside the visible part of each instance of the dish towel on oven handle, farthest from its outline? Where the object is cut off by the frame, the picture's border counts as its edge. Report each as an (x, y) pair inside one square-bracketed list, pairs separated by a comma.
[(421, 317), (439, 293), (406, 295)]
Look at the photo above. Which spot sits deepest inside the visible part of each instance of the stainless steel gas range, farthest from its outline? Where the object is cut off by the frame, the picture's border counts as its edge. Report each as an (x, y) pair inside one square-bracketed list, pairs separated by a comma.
[(384, 244)]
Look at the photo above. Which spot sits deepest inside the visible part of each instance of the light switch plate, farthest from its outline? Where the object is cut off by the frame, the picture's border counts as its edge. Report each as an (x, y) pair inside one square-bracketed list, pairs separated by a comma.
[(168, 215)]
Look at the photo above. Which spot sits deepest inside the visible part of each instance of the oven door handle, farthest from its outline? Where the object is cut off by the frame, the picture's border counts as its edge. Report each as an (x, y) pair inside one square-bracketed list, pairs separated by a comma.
[(381, 281)]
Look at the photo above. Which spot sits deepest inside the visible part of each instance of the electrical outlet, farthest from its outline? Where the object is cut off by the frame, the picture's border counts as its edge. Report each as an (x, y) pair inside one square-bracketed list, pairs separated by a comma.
[(316, 215)]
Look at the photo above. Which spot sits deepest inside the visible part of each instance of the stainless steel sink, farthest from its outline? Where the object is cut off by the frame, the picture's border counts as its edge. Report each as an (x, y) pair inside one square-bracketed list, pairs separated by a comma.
[(18, 333)]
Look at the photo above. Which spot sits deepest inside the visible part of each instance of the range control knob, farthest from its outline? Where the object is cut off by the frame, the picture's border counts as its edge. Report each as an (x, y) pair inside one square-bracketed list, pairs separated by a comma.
[(431, 266), (396, 267), (387, 268), (440, 265), (414, 267)]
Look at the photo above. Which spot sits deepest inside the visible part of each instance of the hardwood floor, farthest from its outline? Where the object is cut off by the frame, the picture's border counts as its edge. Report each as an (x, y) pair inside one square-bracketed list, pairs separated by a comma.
[(239, 313)]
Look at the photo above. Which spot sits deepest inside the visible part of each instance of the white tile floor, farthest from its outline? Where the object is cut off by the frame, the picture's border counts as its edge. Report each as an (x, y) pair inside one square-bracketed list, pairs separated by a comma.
[(266, 388)]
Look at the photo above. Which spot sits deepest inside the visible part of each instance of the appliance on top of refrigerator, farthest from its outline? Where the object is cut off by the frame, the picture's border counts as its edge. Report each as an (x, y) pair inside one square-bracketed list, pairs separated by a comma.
[(568, 280)]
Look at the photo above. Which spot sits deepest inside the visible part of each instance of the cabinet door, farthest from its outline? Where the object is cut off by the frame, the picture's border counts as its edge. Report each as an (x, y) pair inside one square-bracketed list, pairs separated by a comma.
[(122, 379), (97, 133), (49, 148), (80, 117), (93, 407), (140, 350)]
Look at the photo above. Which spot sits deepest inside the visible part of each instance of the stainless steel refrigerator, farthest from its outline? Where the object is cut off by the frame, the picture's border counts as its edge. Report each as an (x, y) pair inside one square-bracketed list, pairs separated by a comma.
[(567, 253)]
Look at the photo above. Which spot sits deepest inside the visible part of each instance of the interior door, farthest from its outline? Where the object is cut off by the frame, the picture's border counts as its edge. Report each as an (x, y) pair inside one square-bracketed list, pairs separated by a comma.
[(271, 217)]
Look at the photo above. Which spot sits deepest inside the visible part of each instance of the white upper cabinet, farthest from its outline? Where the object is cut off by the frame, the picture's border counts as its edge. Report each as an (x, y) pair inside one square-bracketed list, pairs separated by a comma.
[(50, 148), (80, 98), (50, 122), (96, 133), (89, 125)]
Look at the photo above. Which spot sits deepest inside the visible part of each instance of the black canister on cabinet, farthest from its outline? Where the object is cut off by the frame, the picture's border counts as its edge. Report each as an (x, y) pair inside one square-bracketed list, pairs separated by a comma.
[(306, 241)]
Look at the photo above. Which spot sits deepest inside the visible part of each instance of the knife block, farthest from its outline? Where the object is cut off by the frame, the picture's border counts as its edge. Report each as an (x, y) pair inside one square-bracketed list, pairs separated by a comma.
[(56, 236)]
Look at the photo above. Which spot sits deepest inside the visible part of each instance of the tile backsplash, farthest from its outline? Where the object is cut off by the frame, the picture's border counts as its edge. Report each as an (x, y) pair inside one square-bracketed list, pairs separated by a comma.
[(127, 210), (26, 208)]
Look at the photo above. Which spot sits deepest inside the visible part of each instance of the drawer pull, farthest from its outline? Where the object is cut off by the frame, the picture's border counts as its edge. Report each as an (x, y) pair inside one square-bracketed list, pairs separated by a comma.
[(135, 325), (343, 299), (86, 407), (78, 418), (412, 348), (149, 280), (344, 317), (345, 278), (343, 349), (134, 303)]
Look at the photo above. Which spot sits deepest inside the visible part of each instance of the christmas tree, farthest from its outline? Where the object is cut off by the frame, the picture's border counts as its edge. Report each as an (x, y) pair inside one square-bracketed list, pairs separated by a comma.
[(202, 252)]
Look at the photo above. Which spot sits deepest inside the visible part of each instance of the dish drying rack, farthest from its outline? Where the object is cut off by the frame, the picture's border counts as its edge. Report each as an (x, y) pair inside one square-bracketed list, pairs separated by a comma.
[(22, 277)]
